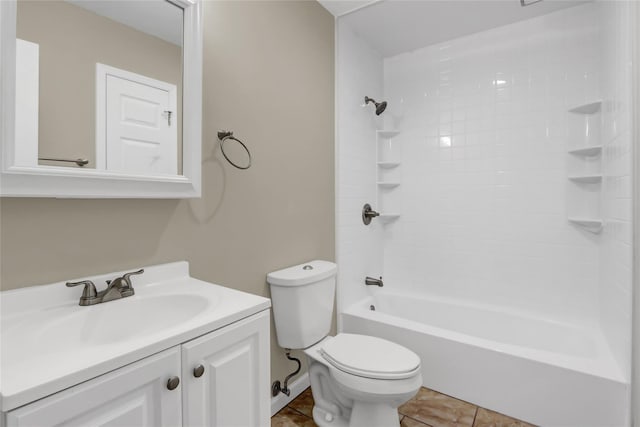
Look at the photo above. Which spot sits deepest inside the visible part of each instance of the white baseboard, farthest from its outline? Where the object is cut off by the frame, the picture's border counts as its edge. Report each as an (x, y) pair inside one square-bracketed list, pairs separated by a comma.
[(281, 400)]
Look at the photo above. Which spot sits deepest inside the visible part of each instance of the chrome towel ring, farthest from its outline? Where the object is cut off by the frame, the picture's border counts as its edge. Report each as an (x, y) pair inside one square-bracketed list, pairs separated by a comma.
[(224, 136)]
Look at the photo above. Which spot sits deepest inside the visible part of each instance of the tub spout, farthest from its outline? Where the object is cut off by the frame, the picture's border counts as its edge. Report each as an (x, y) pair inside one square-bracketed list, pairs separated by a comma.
[(372, 281)]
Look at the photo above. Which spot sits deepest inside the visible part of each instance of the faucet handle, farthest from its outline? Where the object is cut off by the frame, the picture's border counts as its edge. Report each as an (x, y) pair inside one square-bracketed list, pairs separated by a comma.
[(126, 276), (127, 288), (89, 293)]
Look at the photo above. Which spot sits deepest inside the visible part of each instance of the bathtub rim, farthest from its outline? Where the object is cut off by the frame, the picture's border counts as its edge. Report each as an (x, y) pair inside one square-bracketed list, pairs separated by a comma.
[(602, 365)]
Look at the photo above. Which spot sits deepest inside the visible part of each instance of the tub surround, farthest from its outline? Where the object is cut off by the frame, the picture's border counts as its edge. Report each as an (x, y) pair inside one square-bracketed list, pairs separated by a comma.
[(358, 251), (491, 214)]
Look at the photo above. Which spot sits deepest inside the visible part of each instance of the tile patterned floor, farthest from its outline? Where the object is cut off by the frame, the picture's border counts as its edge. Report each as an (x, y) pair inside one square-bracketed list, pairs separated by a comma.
[(428, 408)]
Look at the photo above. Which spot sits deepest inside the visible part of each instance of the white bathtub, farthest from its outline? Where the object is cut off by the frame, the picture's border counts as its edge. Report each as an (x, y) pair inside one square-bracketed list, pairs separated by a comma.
[(542, 371)]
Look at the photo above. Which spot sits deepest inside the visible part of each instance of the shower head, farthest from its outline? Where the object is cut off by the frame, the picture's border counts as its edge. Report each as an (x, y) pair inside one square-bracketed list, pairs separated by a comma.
[(380, 106)]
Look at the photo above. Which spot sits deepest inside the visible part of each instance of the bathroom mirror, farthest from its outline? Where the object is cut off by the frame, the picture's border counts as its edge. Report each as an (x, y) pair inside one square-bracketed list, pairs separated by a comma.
[(101, 98)]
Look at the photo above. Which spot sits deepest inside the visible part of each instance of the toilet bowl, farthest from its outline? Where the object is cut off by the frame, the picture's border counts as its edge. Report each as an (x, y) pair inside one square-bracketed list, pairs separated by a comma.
[(356, 380), (359, 380)]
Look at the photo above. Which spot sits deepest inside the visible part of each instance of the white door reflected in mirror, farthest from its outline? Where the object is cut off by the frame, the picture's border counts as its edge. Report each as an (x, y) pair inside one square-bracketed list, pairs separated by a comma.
[(136, 123), (27, 87)]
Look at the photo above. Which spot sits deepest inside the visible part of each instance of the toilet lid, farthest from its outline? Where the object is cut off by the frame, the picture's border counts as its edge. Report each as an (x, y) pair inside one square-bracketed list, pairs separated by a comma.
[(370, 357)]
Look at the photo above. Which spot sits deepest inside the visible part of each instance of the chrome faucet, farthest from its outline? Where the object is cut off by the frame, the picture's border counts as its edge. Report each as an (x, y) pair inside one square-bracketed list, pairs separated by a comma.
[(118, 288), (372, 281)]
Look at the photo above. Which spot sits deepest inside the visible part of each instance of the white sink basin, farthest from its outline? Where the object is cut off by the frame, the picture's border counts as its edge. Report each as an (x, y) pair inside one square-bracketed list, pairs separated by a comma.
[(49, 342), (121, 320), (65, 329)]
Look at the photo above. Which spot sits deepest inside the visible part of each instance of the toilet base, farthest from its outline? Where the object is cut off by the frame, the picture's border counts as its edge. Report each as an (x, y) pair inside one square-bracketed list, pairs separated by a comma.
[(362, 415), (326, 419), (374, 415)]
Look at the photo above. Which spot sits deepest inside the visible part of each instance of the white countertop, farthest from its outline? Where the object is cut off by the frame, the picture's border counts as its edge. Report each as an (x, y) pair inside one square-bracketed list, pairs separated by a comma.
[(48, 342)]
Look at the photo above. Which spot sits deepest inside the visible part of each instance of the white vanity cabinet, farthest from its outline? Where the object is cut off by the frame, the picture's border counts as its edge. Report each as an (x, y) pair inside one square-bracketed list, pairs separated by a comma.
[(230, 388), (226, 376), (135, 395)]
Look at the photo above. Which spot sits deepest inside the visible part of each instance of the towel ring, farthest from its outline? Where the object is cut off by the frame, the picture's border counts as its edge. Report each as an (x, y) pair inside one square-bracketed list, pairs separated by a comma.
[(224, 136)]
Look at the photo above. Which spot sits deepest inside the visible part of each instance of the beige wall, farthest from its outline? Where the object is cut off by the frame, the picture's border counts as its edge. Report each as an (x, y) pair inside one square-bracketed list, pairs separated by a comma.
[(635, 108), (268, 76), (635, 359), (72, 40)]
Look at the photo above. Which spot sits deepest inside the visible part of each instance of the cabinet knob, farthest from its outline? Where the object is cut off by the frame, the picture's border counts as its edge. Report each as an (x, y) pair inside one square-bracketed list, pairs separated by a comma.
[(198, 371), (173, 383)]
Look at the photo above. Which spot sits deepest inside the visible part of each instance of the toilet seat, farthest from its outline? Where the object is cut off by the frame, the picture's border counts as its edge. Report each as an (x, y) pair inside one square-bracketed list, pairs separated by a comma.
[(370, 357)]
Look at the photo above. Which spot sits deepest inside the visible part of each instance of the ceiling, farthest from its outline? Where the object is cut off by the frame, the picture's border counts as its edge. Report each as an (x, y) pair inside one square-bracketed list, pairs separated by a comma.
[(341, 7), (395, 26), (157, 18)]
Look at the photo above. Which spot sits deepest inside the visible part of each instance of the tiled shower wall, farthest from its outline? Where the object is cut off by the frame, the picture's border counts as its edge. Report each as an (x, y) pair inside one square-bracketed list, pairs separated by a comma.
[(484, 195), (358, 252), (616, 251)]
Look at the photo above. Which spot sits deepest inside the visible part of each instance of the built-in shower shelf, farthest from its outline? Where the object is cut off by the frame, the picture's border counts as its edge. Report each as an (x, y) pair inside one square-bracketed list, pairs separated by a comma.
[(388, 217), (387, 133), (388, 184), (586, 179), (593, 225), (388, 165), (587, 151), (590, 108)]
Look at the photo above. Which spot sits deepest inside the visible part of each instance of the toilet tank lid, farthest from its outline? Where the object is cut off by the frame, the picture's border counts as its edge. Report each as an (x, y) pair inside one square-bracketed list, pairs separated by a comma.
[(302, 274)]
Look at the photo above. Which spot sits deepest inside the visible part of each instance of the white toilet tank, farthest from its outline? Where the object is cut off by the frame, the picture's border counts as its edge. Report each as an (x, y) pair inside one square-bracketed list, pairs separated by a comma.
[(302, 298)]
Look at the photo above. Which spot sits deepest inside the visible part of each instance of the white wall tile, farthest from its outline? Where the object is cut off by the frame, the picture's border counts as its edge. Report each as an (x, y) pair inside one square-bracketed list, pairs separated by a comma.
[(615, 252), (359, 250), (484, 169)]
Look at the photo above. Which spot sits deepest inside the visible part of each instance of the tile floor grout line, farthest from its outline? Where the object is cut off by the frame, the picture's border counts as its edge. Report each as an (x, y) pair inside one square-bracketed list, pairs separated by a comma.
[(475, 415), (300, 412), (418, 421)]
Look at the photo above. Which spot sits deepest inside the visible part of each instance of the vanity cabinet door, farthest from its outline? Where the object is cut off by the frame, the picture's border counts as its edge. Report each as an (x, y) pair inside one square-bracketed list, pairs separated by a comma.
[(226, 376), (134, 395)]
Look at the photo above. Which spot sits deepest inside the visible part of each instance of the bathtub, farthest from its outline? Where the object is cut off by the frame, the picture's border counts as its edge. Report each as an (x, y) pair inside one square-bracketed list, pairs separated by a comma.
[(546, 372)]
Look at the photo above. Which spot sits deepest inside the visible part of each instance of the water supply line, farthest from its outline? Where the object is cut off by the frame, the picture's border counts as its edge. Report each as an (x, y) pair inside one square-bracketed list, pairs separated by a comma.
[(284, 388)]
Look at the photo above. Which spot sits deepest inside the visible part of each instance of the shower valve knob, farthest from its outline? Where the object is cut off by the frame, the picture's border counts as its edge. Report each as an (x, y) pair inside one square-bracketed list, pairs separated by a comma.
[(368, 213)]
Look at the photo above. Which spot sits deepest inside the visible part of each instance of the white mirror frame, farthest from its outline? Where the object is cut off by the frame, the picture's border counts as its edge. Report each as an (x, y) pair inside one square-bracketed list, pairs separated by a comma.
[(51, 181)]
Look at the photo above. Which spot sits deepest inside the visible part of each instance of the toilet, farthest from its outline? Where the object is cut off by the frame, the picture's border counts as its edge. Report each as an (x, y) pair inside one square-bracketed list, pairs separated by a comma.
[(356, 380)]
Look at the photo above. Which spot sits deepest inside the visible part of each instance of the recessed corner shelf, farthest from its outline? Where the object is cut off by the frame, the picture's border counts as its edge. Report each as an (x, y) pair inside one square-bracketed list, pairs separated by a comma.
[(387, 133), (586, 179), (590, 108), (388, 165), (388, 184), (587, 151), (591, 224), (388, 217)]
